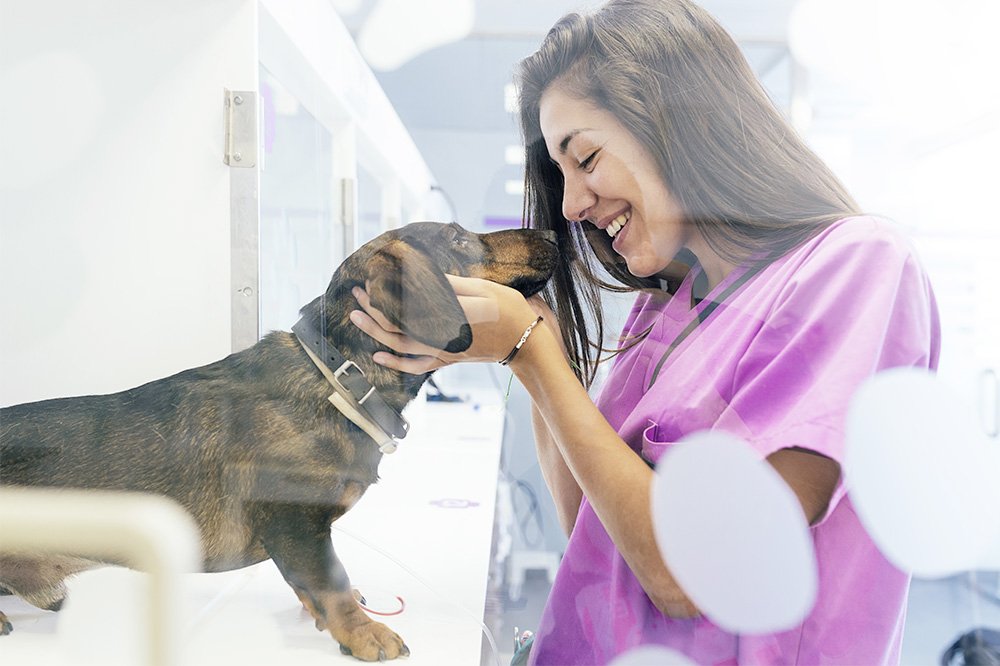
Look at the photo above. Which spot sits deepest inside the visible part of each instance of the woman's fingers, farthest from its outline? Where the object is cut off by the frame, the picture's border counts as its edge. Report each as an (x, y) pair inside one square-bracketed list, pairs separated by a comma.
[(466, 286), (416, 362), (364, 301), (413, 365), (497, 314), (419, 358), (400, 342), (373, 322), (478, 298)]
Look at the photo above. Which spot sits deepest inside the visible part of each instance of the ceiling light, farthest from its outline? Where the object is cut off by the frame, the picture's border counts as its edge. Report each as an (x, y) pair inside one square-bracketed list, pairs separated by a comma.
[(513, 154), (510, 98), (514, 187), (346, 7), (398, 30)]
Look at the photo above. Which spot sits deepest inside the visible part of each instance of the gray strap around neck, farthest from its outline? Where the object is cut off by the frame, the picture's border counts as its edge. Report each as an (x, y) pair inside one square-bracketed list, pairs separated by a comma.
[(351, 378)]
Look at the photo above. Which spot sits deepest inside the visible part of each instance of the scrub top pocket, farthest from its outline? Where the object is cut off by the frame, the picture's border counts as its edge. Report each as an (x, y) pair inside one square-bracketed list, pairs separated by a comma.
[(652, 449)]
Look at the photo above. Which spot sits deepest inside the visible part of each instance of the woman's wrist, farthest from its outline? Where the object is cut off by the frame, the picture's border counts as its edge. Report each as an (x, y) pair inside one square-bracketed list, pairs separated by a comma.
[(520, 343), (532, 362)]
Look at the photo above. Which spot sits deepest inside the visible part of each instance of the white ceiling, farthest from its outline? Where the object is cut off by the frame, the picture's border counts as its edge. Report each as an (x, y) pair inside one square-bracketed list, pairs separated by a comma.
[(750, 19), (459, 86)]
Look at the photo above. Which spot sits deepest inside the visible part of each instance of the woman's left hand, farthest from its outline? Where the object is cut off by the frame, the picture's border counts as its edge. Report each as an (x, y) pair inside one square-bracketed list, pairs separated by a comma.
[(497, 314)]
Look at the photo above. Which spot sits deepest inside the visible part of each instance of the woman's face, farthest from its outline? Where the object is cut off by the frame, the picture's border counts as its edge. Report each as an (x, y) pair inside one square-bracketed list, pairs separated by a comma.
[(611, 181)]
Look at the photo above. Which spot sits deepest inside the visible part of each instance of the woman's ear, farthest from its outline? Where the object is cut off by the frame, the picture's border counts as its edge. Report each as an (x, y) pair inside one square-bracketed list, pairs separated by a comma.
[(413, 294)]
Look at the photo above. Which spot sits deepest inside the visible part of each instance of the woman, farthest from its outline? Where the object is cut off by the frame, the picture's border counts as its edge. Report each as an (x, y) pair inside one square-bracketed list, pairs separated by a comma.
[(764, 300)]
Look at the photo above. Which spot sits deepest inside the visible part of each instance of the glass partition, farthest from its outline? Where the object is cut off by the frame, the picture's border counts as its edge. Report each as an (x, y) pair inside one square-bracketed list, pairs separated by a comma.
[(150, 232), (370, 206), (301, 237)]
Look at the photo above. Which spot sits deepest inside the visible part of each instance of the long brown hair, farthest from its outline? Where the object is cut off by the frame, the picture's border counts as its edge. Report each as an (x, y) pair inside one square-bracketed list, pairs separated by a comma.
[(676, 80)]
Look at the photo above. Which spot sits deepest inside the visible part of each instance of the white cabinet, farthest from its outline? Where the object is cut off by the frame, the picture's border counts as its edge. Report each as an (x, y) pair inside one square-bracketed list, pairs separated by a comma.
[(129, 248)]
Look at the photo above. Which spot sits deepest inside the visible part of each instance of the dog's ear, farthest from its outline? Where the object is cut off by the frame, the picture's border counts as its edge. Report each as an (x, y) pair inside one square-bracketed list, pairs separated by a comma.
[(414, 294)]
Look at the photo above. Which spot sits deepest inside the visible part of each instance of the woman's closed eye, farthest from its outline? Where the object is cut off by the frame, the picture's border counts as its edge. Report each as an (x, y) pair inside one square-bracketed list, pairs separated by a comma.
[(588, 163)]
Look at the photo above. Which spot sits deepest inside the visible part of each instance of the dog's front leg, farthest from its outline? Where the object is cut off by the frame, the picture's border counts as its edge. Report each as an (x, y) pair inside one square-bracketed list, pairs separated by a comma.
[(297, 538)]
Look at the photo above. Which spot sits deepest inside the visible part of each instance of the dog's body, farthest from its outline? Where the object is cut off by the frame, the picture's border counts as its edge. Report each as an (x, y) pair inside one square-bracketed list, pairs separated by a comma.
[(249, 445)]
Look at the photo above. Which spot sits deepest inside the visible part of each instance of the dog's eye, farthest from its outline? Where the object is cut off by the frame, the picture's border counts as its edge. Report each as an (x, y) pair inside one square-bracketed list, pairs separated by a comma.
[(457, 236)]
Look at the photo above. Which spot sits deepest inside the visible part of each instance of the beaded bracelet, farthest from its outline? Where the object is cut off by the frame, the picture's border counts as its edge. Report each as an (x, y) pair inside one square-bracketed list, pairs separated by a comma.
[(517, 347)]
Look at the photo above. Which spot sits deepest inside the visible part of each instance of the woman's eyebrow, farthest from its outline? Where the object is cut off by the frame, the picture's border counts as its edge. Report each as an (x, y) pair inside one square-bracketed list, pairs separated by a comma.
[(564, 144)]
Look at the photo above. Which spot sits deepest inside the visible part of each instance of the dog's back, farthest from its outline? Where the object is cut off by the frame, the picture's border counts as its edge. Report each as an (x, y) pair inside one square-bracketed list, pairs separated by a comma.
[(214, 438)]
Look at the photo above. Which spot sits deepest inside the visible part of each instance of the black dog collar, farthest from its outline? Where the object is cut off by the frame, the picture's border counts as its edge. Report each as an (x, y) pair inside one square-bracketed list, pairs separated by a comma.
[(347, 375)]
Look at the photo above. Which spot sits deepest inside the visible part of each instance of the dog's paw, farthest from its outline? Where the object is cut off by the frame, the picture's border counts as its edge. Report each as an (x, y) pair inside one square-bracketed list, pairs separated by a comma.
[(374, 642), (5, 626)]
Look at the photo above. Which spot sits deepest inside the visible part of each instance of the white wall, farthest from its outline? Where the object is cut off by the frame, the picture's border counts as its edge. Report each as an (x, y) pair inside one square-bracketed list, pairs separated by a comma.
[(114, 236)]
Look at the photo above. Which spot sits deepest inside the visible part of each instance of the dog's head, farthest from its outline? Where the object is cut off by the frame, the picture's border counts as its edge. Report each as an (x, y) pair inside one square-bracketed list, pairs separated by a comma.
[(404, 270)]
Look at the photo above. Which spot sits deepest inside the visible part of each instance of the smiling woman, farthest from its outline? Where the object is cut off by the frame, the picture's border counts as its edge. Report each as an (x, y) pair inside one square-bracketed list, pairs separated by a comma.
[(695, 125), (611, 181), (764, 300)]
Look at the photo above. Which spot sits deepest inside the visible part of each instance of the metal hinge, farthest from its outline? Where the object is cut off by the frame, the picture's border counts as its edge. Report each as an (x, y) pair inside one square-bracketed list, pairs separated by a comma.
[(241, 128)]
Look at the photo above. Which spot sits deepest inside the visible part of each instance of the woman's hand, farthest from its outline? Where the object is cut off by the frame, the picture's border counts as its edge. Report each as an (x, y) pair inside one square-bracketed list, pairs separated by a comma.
[(498, 316)]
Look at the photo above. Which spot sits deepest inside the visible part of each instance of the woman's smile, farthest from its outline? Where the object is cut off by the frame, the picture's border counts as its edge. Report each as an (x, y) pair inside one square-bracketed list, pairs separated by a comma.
[(617, 230), (616, 224)]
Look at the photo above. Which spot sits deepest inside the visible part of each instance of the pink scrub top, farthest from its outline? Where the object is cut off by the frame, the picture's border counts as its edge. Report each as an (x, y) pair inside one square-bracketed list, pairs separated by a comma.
[(776, 364)]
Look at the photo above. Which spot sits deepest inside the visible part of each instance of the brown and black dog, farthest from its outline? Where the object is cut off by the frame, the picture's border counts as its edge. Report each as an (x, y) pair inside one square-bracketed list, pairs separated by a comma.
[(250, 445)]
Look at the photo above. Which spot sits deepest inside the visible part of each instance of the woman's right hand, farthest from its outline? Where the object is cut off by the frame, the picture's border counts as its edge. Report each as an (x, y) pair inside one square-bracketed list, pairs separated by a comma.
[(497, 314)]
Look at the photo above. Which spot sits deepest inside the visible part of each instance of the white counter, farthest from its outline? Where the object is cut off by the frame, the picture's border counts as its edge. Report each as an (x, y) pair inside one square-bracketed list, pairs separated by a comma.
[(423, 533)]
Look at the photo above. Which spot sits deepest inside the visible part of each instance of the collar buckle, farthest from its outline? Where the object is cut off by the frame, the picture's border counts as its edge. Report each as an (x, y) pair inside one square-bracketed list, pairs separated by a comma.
[(345, 367), (354, 395)]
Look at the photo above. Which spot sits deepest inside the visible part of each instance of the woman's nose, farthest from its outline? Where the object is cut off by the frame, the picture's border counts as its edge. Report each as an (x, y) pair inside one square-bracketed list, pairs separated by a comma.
[(578, 199)]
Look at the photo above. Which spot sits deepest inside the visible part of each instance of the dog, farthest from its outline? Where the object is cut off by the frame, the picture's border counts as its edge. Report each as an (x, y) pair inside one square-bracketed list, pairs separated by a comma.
[(251, 445)]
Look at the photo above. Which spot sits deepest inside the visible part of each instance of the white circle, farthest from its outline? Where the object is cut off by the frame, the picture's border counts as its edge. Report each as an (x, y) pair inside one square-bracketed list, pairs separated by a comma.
[(733, 534), (651, 655)]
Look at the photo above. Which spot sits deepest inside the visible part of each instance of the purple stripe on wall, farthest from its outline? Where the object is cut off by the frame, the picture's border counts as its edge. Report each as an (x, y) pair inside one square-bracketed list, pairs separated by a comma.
[(502, 222)]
